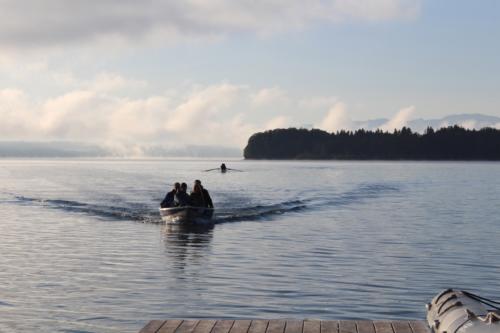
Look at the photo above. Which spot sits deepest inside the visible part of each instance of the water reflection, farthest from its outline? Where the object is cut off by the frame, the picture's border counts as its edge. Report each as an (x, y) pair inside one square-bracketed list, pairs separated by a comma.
[(187, 245)]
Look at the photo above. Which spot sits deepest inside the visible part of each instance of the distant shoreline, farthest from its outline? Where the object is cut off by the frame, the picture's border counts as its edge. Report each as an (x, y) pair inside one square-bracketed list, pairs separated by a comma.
[(63, 149), (366, 160), (446, 144)]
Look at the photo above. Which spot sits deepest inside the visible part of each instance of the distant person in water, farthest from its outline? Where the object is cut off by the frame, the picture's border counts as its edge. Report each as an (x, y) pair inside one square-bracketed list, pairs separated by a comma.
[(181, 197), (223, 169), (168, 201), (200, 196)]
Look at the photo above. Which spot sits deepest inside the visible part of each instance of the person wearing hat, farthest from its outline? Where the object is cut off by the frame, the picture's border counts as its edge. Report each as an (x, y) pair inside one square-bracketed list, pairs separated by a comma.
[(200, 196), (168, 201)]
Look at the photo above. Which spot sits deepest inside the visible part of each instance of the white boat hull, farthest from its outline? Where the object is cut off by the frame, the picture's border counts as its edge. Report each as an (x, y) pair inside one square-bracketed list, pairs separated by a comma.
[(187, 215), (455, 311)]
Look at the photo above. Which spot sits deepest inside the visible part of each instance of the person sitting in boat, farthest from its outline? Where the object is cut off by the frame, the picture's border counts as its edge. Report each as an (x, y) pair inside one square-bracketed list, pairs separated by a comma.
[(206, 195), (168, 201), (200, 196), (181, 198), (223, 167)]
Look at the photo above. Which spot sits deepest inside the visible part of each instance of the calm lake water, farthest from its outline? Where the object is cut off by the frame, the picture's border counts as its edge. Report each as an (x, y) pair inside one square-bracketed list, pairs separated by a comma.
[(82, 249)]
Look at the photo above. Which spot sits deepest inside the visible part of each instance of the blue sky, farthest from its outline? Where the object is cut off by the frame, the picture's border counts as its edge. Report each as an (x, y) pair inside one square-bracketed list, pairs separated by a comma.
[(117, 73)]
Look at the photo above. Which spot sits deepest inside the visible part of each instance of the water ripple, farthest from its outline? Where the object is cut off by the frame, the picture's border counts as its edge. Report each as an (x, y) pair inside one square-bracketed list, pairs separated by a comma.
[(303, 239)]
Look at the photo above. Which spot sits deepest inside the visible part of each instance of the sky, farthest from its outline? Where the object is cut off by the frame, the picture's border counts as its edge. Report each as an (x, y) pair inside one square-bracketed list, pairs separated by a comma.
[(212, 72)]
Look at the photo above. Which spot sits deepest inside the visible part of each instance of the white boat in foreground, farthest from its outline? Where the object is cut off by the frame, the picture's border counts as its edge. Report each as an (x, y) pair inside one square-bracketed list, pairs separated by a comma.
[(459, 311), (187, 215)]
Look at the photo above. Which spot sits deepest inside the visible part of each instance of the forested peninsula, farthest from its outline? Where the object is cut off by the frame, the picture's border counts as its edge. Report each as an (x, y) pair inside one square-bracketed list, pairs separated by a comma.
[(450, 143)]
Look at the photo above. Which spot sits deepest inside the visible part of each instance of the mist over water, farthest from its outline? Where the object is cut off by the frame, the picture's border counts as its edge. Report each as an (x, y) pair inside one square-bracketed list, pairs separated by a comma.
[(83, 248)]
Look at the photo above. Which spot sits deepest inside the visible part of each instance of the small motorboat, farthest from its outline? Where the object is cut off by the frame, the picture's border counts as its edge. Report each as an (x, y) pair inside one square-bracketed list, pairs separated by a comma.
[(187, 215)]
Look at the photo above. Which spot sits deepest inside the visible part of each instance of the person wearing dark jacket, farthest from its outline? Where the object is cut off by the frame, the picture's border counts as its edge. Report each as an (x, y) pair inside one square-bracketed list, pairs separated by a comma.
[(196, 197), (168, 201), (208, 199), (181, 197), (200, 196)]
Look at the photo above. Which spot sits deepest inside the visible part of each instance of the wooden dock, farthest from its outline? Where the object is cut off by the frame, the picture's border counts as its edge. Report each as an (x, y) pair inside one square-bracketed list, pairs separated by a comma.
[(284, 326)]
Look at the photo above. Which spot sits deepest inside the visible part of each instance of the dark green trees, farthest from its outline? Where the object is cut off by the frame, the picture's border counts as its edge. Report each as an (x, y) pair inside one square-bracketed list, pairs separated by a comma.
[(450, 143)]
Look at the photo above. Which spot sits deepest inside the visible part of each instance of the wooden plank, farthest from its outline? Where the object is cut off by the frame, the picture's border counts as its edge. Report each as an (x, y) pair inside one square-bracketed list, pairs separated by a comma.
[(365, 326), (240, 326), (187, 326), (204, 326), (383, 327), (293, 326), (258, 326), (418, 326), (329, 326), (152, 326), (347, 326), (222, 326), (276, 326), (170, 326), (401, 327), (284, 326), (312, 326)]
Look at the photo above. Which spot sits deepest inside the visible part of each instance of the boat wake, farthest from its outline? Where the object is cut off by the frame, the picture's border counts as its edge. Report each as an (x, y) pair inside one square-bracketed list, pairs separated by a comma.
[(260, 212), (132, 211), (148, 214), (236, 210), (322, 201), (361, 193)]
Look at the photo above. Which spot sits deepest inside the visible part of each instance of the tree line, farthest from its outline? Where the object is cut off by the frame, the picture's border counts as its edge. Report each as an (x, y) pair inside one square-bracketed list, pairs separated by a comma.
[(449, 143)]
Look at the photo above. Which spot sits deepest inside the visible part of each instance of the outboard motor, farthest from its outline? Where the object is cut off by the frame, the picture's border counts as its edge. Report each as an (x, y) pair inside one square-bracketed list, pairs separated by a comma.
[(454, 311)]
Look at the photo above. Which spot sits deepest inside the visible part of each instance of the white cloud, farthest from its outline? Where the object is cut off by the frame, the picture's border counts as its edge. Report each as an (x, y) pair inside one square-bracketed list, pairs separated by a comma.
[(15, 113), (68, 115), (211, 115), (278, 122), (106, 82), (337, 119), (270, 96), (33, 23), (201, 107), (65, 78), (399, 120)]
